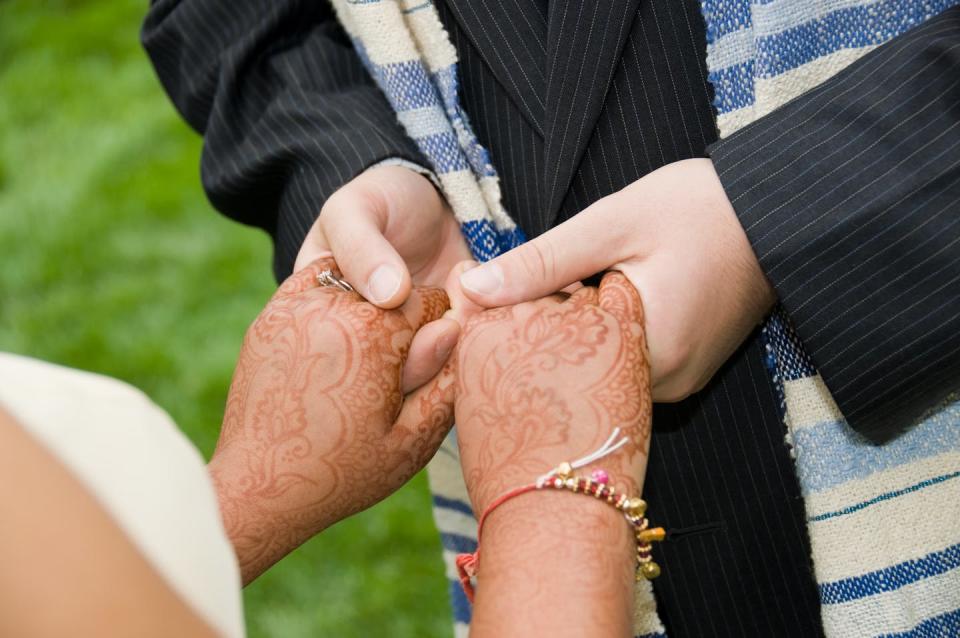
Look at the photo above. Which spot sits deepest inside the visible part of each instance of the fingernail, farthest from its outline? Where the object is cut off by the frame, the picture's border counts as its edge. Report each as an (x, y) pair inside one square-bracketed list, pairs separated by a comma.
[(383, 283), (445, 345), (484, 279)]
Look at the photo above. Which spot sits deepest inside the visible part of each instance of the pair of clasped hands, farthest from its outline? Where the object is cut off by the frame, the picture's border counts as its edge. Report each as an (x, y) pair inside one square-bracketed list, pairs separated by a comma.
[(340, 397)]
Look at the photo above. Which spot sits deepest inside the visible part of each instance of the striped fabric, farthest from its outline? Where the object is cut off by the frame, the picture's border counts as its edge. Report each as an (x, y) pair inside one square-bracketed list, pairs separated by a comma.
[(719, 457), (848, 195), (884, 520), (863, 501), (407, 51), (289, 114), (763, 53)]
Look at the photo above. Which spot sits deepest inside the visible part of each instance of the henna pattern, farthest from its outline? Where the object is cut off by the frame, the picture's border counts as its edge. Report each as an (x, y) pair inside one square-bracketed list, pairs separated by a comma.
[(316, 427), (547, 381), (629, 408)]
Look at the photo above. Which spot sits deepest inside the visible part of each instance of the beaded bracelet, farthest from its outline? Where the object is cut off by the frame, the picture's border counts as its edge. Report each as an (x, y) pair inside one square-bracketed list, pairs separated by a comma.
[(597, 485)]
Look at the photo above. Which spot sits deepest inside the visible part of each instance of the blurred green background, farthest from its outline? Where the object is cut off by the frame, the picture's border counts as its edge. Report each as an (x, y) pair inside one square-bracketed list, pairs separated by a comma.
[(113, 261)]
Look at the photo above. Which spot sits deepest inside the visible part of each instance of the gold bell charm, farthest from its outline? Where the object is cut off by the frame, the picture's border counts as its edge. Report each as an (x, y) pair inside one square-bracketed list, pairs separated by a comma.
[(649, 570), (636, 507)]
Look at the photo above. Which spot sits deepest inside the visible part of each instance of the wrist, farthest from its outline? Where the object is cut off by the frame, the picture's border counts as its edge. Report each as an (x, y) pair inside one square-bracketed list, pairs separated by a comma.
[(544, 548), (261, 529), (758, 293), (413, 167)]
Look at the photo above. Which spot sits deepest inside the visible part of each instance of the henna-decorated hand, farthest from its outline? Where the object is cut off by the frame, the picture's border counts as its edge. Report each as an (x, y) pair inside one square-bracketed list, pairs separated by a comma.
[(316, 427), (538, 384), (547, 381), (698, 264)]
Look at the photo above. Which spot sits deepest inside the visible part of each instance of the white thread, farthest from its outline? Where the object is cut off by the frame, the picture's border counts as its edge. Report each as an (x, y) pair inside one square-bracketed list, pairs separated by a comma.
[(598, 454)]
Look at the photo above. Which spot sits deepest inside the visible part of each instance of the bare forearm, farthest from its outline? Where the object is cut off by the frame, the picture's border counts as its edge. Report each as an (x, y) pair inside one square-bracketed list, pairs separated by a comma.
[(555, 564), (58, 545)]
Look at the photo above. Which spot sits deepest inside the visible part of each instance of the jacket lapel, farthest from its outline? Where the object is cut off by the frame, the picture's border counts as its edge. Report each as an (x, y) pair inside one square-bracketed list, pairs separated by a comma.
[(585, 40), (511, 39)]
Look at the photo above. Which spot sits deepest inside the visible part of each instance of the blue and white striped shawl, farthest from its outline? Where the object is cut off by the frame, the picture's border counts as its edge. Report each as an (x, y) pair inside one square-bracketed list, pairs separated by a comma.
[(884, 521)]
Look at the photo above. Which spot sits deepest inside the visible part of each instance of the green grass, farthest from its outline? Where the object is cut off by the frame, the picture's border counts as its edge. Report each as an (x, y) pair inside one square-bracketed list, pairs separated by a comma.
[(113, 261)]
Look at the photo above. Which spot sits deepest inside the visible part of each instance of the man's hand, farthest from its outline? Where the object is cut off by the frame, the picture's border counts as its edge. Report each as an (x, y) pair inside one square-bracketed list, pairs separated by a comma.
[(316, 426), (677, 238), (389, 229)]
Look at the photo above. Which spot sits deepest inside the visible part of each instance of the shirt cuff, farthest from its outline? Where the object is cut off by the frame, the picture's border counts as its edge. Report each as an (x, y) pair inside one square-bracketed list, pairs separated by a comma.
[(413, 166)]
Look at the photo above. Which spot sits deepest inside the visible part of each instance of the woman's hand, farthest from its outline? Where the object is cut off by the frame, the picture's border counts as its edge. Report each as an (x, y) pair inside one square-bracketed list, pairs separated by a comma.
[(316, 426), (538, 384), (677, 238), (389, 230), (547, 381)]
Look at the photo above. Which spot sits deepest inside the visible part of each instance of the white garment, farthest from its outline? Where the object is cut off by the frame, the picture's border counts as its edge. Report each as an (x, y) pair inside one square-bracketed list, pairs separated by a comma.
[(130, 455)]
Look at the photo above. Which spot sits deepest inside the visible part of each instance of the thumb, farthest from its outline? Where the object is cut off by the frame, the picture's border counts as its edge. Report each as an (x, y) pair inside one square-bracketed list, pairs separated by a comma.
[(433, 343), (572, 251), (352, 224), (315, 246), (461, 307)]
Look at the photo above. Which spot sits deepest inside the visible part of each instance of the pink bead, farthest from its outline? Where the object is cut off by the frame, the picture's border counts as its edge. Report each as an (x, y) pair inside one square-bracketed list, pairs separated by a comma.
[(600, 476)]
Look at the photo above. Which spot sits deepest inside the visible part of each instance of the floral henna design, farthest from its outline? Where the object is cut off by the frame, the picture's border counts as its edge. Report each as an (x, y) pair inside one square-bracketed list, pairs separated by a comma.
[(585, 296), (631, 409), (548, 381), (530, 417), (316, 427)]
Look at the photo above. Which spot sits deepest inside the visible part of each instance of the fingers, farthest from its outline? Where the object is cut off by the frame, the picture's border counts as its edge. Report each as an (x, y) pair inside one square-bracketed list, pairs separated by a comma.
[(550, 262), (352, 222), (435, 341), (461, 307), (429, 351), (305, 278), (584, 296), (425, 305), (620, 298), (425, 419)]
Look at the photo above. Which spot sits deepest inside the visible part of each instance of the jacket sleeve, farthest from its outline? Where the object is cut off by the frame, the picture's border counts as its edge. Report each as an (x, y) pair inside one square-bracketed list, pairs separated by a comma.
[(287, 111), (850, 196)]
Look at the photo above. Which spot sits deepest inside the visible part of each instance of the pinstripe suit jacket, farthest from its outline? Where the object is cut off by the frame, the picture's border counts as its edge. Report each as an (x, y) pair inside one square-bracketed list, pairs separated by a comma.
[(576, 100)]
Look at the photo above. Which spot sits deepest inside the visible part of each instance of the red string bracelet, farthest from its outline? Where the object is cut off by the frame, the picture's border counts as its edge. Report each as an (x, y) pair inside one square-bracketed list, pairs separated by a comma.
[(467, 563), (596, 485)]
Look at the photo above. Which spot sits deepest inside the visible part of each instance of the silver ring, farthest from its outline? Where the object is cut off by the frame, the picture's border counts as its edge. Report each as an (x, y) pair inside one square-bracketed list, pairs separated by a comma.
[(327, 279)]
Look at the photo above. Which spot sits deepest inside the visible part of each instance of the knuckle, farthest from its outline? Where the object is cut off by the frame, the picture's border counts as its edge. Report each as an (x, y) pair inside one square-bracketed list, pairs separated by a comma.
[(349, 199), (673, 360), (682, 384), (538, 260), (473, 326), (675, 395), (334, 202), (488, 321)]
